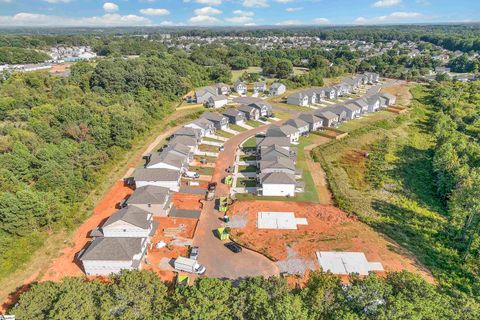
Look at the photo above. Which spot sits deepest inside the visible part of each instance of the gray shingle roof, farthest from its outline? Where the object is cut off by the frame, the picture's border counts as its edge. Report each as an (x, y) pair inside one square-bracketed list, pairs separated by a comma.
[(113, 249), (167, 157), (270, 141), (143, 174), (184, 140), (233, 112), (327, 114), (213, 116), (149, 194), (132, 215), (277, 178), (297, 123), (309, 118), (277, 163)]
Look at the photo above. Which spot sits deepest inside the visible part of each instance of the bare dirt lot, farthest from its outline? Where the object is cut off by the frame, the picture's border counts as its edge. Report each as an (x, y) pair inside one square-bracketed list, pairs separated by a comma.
[(328, 229)]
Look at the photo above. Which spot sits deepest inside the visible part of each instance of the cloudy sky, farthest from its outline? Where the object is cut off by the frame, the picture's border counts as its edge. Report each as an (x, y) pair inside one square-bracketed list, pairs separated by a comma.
[(233, 12)]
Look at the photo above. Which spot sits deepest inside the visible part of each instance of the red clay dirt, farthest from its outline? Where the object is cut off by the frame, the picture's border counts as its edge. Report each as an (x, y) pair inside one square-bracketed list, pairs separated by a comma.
[(328, 229)]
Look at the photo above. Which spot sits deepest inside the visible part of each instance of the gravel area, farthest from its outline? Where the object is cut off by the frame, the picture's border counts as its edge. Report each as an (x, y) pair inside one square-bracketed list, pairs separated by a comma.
[(295, 265), (238, 221)]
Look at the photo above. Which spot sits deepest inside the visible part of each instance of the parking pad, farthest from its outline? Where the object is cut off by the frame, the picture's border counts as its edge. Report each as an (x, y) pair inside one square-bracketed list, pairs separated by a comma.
[(279, 220)]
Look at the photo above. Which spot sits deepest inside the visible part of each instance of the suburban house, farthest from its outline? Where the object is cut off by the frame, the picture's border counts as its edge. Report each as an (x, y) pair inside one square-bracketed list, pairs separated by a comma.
[(362, 103), (179, 149), (188, 132), (372, 77), (203, 94), (217, 101), (298, 99), (277, 184), (154, 199), (265, 109), (314, 123), (167, 160), (329, 119), (157, 177), (330, 93), (267, 142), (204, 126), (383, 101), (284, 131), (272, 152), (106, 255), (219, 121), (299, 124), (279, 164), (259, 87), (129, 222), (277, 89), (240, 87), (222, 89), (320, 94), (391, 99), (235, 116), (250, 112), (352, 110), (339, 111), (189, 142), (352, 83), (373, 103)]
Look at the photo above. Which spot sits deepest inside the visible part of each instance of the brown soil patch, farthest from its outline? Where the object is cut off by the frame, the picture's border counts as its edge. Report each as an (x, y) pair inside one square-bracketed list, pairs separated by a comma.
[(355, 166), (402, 91), (185, 201), (328, 229)]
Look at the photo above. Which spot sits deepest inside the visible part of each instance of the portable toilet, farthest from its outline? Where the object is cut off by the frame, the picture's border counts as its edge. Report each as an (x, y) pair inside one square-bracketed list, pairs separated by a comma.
[(222, 234)]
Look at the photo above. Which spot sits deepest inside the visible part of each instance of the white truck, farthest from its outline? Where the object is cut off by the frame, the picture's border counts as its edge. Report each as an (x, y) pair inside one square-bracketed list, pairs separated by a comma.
[(188, 265), (191, 174)]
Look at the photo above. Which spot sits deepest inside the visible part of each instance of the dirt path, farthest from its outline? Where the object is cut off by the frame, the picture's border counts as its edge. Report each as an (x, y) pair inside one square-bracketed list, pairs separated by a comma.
[(317, 173)]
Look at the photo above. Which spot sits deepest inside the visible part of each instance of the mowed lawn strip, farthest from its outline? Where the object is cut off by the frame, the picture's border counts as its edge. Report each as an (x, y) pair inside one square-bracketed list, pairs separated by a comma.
[(238, 128)]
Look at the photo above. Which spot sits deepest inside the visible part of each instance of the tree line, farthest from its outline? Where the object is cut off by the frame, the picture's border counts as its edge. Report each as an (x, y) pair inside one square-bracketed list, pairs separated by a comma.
[(142, 295)]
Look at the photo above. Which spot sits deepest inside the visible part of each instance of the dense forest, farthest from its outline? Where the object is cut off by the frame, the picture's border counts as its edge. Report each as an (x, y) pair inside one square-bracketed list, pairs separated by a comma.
[(57, 134), (13, 55), (141, 295)]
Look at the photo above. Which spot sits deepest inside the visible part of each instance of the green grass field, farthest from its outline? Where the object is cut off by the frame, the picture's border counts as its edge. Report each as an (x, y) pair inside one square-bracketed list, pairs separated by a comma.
[(207, 171), (244, 182), (224, 134), (250, 142), (253, 123), (250, 168), (238, 128)]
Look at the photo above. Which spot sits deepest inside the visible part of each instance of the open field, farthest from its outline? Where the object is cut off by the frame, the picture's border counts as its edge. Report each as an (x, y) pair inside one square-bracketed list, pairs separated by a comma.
[(328, 229)]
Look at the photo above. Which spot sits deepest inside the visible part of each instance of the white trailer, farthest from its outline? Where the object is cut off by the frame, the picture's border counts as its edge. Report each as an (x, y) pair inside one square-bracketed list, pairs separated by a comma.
[(188, 265)]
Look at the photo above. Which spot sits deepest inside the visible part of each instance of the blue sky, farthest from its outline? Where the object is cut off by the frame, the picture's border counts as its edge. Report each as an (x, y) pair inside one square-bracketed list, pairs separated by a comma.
[(233, 12)]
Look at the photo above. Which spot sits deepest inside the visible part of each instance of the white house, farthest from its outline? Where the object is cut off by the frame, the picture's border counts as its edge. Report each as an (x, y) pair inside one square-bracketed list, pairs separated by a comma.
[(298, 99), (217, 101), (240, 87), (259, 87), (106, 255), (314, 122), (277, 184), (153, 199), (204, 126), (299, 124), (167, 160), (157, 177), (288, 131), (277, 89), (129, 222)]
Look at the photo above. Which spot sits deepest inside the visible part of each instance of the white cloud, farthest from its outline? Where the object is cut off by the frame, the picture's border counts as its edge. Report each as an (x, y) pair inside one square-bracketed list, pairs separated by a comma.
[(391, 18), (207, 11), (49, 1), (255, 3), (293, 9), (243, 13), (386, 3), (284, 1), (203, 20), (289, 23), (110, 7), (155, 12), (321, 21), (109, 19), (209, 2)]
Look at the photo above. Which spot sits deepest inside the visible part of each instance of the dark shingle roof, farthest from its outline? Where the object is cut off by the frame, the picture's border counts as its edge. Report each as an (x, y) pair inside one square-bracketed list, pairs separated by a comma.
[(143, 174), (132, 215), (149, 194), (113, 249), (277, 178)]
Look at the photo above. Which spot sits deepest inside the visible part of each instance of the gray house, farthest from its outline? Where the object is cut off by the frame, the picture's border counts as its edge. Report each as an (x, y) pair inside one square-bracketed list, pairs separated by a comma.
[(264, 108), (189, 142), (217, 101), (314, 122), (275, 151), (179, 149), (129, 222), (267, 142), (302, 126), (166, 178), (154, 199), (330, 93), (259, 87), (240, 87), (362, 103), (353, 111), (106, 255), (339, 111), (235, 116), (222, 89), (373, 103), (188, 132), (391, 99), (320, 94), (219, 121), (203, 94), (279, 164), (167, 160), (298, 99), (329, 119), (250, 112), (277, 89)]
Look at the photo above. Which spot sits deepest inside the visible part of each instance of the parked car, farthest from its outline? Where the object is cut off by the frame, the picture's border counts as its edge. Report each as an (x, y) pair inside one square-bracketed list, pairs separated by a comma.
[(194, 253), (221, 148), (191, 174), (232, 246)]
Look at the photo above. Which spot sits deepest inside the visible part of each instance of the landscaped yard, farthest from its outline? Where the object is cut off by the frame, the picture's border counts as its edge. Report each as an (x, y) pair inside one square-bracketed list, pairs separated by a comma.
[(208, 148), (205, 171), (246, 183), (238, 128), (250, 168), (211, 139), (224, 134), (253, 123), (250, 143), (209, 159), (293, 107)]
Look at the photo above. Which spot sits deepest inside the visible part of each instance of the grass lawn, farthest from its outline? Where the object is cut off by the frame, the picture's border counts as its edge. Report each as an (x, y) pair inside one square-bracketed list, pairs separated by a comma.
[(238, 128), (206, 171), (293, 107), (224, 134), (244, 182), (375, 117), (209, 159), (406, 208), (250, 142), (253, 123), (250, 168), (245, 157), (208, 148), (282, 114), (212, 139)]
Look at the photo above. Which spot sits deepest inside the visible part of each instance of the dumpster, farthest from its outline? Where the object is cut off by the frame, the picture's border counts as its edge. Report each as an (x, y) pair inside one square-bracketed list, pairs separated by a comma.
[(223, 233)]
